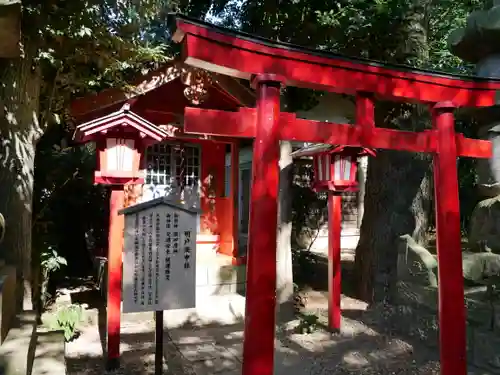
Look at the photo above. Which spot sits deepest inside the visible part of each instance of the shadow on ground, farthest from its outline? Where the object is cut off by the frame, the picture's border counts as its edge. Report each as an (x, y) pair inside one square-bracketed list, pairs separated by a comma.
[(215, 349)]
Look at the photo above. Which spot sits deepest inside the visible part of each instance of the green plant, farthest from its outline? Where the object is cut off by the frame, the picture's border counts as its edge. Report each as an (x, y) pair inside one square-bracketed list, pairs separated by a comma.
[(308, 323), (66, 318), (50, 263)]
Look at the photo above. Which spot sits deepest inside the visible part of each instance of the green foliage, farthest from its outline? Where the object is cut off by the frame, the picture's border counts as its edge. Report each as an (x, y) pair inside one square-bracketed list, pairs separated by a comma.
[(410, 32), (381, 29), (308, 323), (66, 204), (50, 263), (83, 47), (66, 318)]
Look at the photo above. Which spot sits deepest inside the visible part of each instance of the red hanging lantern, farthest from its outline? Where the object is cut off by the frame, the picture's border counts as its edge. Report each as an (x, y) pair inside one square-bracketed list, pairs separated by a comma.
[(335, 169), (121, 138)]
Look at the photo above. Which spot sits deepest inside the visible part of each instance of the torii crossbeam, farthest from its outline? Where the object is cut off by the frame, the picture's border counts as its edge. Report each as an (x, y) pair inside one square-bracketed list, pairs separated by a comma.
[(270, 65)]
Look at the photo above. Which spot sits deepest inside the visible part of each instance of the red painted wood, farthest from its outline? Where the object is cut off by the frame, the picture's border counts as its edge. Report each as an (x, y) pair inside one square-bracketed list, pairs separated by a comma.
[(365, 114), (207, 48), (151, 89), (207, 121), (334, 271), (239, 260), (224, 209), (212, 185), (204, 121), (115, 251), (258, 346), (235, 188), (452, 327)]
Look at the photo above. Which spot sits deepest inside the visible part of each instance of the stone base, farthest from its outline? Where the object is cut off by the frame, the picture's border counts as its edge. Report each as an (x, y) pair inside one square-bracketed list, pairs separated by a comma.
[(17, 352), (348, 240), (218, 283), (49, 357), (221, 310), (216, 275), (220, 288)]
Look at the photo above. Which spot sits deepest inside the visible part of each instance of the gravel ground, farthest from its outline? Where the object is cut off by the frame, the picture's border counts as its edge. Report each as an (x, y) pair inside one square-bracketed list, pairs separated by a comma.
[(375, 341), (370, 343), (84, 355)]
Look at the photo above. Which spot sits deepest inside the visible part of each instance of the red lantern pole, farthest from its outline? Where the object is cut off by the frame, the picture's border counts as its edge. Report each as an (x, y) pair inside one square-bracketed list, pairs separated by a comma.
[(334, 272), (258, 344), (115, 249)]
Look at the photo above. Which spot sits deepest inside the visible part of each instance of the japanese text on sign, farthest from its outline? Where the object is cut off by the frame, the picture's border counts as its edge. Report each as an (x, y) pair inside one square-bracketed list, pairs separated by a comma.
[(159, 261)]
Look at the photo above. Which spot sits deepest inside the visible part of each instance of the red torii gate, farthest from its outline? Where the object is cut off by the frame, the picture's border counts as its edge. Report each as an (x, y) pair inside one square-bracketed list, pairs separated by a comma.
[(270, 65)]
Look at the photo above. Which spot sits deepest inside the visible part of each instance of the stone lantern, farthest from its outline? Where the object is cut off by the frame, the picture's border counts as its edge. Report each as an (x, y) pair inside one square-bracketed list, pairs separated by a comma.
[(477, 43)]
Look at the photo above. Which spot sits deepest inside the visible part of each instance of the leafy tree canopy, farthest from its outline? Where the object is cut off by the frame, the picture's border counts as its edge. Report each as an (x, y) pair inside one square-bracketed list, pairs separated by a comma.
[(378, 29)]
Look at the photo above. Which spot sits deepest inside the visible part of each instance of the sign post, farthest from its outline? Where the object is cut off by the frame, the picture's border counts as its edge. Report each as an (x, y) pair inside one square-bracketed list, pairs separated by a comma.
[(159, 261)]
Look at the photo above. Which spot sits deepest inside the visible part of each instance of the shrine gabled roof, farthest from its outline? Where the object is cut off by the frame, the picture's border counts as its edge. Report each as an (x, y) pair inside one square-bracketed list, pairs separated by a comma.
[(242, 55), (311, 150), (89, 130), (112, 98)]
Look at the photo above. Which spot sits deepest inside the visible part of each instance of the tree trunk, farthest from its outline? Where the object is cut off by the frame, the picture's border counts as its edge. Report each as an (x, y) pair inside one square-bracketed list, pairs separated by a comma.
[(20, 83), (397, 195), (397, 202), (284, 279)]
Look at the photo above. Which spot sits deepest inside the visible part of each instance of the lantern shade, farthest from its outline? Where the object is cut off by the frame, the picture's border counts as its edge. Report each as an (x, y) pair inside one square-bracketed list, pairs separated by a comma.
[(121, 139), (335, 167), (119, 161), (335, 172), (120, 154)]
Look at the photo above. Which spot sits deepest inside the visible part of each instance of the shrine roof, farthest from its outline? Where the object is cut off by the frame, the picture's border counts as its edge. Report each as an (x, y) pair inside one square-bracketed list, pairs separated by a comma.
[(92, 129), (153, 91), (162, 201), (243, 55), (311, 150)]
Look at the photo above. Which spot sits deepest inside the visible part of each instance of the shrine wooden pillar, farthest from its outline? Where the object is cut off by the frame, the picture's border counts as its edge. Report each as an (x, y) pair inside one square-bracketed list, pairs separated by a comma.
[(452, 324), (258, 344), (235, 194)]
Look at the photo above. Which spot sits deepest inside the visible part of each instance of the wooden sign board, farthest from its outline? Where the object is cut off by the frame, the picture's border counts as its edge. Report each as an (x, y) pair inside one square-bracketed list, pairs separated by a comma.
[(159, 257)]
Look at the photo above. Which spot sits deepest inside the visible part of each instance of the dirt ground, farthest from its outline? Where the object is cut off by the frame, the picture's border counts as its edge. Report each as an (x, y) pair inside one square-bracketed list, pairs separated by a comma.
[(362, 347)]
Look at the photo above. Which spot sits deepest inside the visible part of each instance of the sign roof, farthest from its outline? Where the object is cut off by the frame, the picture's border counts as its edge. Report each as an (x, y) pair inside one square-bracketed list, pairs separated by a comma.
[(162, 201)]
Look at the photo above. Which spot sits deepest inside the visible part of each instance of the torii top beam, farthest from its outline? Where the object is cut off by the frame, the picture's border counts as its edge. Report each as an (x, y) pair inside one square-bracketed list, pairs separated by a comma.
[(242, 55)]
